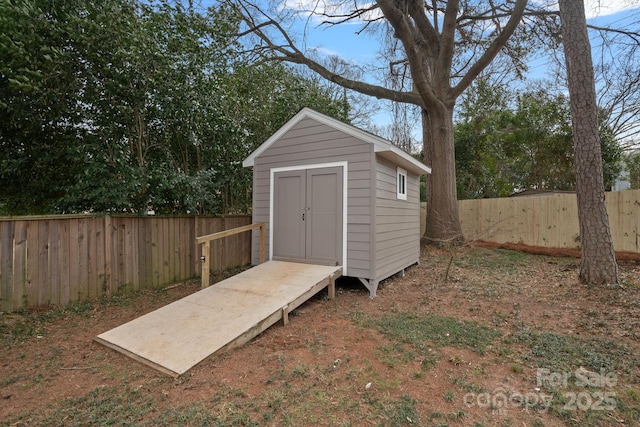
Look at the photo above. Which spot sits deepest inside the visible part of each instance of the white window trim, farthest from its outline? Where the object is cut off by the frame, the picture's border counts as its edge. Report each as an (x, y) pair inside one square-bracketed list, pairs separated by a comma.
[(401, 178)]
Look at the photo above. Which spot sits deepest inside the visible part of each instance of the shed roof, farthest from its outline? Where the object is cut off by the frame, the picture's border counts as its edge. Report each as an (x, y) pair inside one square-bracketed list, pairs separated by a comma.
[(381, 146)]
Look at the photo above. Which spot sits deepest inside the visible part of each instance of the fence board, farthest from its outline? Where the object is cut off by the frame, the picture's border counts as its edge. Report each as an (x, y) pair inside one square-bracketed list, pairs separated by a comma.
[(74, 260), (188, 230), (92, 259), (64, 240), (103, 231), (184, 259), (141, 250), (124, 255), (548, 221), (133, 251), (44, 293), (20, 264), (173, 251), (166, 250), (33, 277), (157, 251), (181, 231), (148, 259), (6, 266), (113, 247), (54, 262), (194, 257), (108, 262)]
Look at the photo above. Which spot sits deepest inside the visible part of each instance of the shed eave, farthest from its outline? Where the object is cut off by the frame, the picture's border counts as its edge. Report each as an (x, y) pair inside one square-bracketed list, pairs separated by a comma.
[(401, 158)]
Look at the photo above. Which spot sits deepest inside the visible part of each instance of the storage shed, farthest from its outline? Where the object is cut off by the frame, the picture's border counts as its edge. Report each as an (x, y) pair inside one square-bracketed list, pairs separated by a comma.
[(333, 194)]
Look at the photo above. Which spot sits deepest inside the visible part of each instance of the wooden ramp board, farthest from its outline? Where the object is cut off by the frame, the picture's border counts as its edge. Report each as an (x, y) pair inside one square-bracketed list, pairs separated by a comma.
[(175, 338)]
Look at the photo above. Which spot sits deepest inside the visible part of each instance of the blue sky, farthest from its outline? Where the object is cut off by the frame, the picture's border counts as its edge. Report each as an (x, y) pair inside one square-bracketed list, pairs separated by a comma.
[(342, 40)]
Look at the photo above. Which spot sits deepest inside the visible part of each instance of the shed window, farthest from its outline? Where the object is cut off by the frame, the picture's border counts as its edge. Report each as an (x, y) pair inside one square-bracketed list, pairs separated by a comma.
[(402, 184)]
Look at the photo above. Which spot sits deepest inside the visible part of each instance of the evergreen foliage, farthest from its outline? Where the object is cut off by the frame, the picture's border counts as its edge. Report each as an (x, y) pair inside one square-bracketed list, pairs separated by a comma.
[(128, 106)]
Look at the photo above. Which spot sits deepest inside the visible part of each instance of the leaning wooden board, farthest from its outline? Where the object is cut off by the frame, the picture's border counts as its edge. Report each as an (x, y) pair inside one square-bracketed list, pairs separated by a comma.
[(175, 338)]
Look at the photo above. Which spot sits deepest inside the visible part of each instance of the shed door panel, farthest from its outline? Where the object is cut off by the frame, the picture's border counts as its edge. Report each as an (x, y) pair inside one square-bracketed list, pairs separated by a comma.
[(289, 203), (324, 215), (307, 223)]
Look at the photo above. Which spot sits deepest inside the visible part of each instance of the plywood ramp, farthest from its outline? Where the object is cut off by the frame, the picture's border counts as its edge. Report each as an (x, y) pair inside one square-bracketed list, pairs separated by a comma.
[(175, 338)]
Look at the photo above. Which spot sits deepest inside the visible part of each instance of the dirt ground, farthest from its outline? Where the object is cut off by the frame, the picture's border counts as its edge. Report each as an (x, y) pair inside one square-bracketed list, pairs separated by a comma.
[(330, 367)]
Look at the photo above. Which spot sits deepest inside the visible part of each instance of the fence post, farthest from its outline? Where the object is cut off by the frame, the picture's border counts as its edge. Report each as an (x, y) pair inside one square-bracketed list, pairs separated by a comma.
[(204, 258)]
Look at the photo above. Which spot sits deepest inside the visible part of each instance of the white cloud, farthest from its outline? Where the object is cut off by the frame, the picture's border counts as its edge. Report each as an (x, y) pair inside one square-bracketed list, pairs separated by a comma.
[(599, 8)]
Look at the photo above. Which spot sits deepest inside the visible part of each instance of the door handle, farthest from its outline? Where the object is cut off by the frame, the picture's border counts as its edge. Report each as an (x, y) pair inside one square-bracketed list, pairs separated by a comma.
[(303, 216)]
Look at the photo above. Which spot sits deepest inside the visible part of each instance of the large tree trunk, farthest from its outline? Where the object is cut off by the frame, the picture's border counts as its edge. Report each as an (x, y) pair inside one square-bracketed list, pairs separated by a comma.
[(598, 264), (443, 221)]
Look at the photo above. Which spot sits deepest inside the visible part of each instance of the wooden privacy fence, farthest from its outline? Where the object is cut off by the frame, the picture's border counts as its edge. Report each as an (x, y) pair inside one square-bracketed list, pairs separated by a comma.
[(57, 260), (548, 221)]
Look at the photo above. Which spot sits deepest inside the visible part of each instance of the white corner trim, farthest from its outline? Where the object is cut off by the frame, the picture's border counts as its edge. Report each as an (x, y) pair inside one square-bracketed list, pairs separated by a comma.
[(345, 190)]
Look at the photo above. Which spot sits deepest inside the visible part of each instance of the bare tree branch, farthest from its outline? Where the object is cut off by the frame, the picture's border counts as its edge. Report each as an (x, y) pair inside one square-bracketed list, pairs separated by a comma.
[(289, 52), (498, 43), (633, 35)]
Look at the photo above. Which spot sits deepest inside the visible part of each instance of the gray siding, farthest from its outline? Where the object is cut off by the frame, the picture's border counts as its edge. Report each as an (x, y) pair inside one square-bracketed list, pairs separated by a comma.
[(397, 226), (310, 142)]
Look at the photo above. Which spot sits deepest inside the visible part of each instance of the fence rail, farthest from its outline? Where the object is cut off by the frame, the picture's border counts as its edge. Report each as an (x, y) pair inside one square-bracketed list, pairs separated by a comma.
[(548, 221), (205, 241), (57, 260)]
